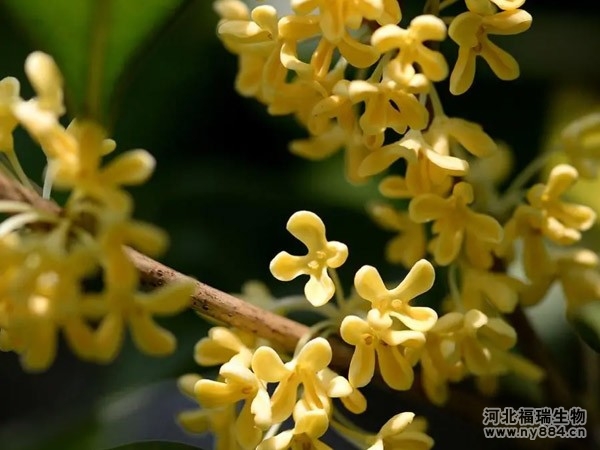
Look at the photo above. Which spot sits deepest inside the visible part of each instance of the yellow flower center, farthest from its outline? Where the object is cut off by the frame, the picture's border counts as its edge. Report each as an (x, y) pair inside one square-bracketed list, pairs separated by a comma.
[(39, 305), (319, 260)]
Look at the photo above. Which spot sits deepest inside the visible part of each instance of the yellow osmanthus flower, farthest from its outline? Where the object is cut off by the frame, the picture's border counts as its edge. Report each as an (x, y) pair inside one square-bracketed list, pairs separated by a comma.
[(525, 225), (444, 131), (120, 304), (387, 105), (356, 148), (9, 95), (336, 20), (402, 431), (487, 6), (332, 108), (309, 427), (409, 245), (86, 239), (40, 114), (303, 370), (579, 273), (219, 421), (455, 223), (78, 166), (546, 216), (40, 296), (394, 303), (295, 29), (470, 343), (581, 142), (411, 48), (239, 383), (322, 254), (559, 221), (338, 15), (254, 37), (371, 338), (223, 345), (470, 30), (489, 291), (427, 170), (231, 9), (339, 387)]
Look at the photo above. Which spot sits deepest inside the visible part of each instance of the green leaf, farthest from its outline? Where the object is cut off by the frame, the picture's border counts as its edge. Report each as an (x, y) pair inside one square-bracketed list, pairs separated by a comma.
[(155, 445), (93, 42), (586, 322)]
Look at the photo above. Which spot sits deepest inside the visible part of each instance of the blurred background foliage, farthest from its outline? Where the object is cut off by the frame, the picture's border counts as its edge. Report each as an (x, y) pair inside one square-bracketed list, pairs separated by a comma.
[(156, 75)]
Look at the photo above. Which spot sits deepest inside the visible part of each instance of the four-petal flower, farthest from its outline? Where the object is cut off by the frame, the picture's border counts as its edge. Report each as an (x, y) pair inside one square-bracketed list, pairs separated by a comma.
[(322, 254), (395, 302)]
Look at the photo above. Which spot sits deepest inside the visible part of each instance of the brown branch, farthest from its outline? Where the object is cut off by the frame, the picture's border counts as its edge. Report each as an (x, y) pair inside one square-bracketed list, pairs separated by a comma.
[(11, 190), (223, 307)]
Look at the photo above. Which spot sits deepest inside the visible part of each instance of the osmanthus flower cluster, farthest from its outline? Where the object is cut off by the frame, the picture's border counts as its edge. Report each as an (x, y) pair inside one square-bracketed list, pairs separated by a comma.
[(359, 76), (48, 258), (259, 390)]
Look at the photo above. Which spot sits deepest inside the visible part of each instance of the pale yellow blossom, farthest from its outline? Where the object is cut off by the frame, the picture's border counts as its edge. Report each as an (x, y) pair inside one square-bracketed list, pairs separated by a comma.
[(309, 427), (395, 302), (339, 387), (239, 383), (387, 105), (294, 29), (9, 95), (302, 97), (525, 225), (470, 343), (322, 254), (444, 131), (578, 271), (409, 245), (487, 6), (256, 40), (580, 140), (223, 345), (40, 296), (302, 370), (487, 290), (338, 15), (355, 145), (470, 30), (402, 431), (219, 421), (373, 339), (427, 171), (455, 223), (120, 304), (411, 48), (40, 114), (560, 221)]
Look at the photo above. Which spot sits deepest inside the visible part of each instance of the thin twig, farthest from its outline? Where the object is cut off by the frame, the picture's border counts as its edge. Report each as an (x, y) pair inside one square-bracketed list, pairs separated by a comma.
[(224, 307)]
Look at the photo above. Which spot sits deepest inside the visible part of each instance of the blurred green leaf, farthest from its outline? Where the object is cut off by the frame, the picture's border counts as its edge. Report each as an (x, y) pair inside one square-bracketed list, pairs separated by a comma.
[(586, 321), (155, 445), (93, 41)]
